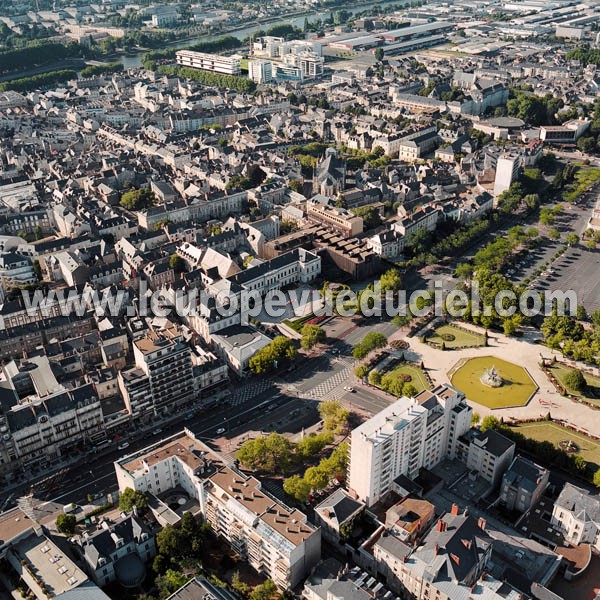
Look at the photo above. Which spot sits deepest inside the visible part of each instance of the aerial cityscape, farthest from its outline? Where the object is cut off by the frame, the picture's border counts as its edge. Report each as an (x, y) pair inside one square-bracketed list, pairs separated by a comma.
[(300, 299)]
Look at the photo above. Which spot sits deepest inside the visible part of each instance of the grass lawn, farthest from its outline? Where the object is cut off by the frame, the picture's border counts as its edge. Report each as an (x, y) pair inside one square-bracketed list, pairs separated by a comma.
[(554, 433), (517, 389), (462, 338), (560, 371), (418, 377)]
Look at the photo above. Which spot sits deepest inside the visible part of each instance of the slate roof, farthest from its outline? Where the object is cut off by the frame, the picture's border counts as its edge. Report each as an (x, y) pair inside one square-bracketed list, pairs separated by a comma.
[(580, 502)]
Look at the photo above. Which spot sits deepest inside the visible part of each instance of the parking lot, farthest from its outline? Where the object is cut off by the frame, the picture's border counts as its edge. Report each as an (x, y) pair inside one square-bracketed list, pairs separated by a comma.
[(577, 269)]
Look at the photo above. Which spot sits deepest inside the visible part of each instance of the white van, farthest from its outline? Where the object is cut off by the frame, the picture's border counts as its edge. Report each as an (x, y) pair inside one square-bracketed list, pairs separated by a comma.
[(69, 508)]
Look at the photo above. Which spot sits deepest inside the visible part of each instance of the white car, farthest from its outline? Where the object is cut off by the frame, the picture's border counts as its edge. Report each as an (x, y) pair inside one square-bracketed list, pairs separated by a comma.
[(123, 446), (220, 430)]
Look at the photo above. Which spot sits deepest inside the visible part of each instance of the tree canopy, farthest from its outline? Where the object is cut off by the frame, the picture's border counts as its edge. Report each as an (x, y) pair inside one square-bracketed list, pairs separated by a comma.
[(137, 199)]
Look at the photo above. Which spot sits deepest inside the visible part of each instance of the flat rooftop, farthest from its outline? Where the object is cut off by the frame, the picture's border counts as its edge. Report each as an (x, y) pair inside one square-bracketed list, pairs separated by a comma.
[(58, 572)]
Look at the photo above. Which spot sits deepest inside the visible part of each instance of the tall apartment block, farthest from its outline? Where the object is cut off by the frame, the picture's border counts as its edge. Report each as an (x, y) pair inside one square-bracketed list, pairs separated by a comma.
[(410, 434)]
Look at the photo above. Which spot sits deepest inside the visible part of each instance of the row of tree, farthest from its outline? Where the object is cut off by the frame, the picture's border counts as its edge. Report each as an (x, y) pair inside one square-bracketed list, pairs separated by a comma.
[(27, 84), (232, 82)]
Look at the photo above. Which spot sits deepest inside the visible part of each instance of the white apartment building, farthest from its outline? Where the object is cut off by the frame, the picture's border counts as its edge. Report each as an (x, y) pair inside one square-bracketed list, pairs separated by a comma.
[(410, 434), (276, 540), (577, 513), (507, 171), (260, 71), (228, 65)]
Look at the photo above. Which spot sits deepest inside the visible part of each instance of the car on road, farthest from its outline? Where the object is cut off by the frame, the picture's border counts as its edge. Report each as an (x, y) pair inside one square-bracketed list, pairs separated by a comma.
[(157, 431), (123, 446), (220, 430)]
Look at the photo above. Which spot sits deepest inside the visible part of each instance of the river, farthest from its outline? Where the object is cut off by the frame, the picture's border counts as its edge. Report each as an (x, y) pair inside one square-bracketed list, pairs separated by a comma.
[(135, 60)]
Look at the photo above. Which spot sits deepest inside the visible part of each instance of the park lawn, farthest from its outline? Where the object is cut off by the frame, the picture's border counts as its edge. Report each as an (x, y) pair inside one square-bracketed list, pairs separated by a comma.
[(560, 371), (517, 389), (462, 338), (418, 377), (543, 431)]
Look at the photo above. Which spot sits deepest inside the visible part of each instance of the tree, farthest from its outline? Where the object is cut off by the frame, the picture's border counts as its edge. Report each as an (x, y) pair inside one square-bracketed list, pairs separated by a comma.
[(311, 336), (363, 370), (391, 281), (170, 582), (586, 144), (267, 358), (66, 524), (370, 342), (490, 422), (317, 478), (130, 498), (375, 378), (475, 419), (597, 478), (239, 586), (334, 415), (168, 542), (297, 487), (312, 444), (177, 263), (572, 239), (266, 454), (575, 380), (296, 186), (379, 54), (464, 271), (369, 214), (265, 591), (137, 199), (409, 390), (581, 313)]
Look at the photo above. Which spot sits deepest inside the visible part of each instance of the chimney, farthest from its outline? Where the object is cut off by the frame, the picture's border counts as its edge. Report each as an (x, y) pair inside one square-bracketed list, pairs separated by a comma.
[(454, 510), (436, 550), (481, 523), (441, 525), (455, 559)]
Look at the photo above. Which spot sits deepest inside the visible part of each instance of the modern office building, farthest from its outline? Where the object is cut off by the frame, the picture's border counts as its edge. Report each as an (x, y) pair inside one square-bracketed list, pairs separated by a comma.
[(227, 65)]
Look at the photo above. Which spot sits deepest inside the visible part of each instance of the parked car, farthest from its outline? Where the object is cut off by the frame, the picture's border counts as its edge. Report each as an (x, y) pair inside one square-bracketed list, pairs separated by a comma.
[(123, 446), (220, 430)]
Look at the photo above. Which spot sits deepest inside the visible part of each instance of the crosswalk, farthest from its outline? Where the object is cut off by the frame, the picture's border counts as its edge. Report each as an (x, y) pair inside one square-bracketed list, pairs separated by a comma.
[(328, 389), (247, 391)]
